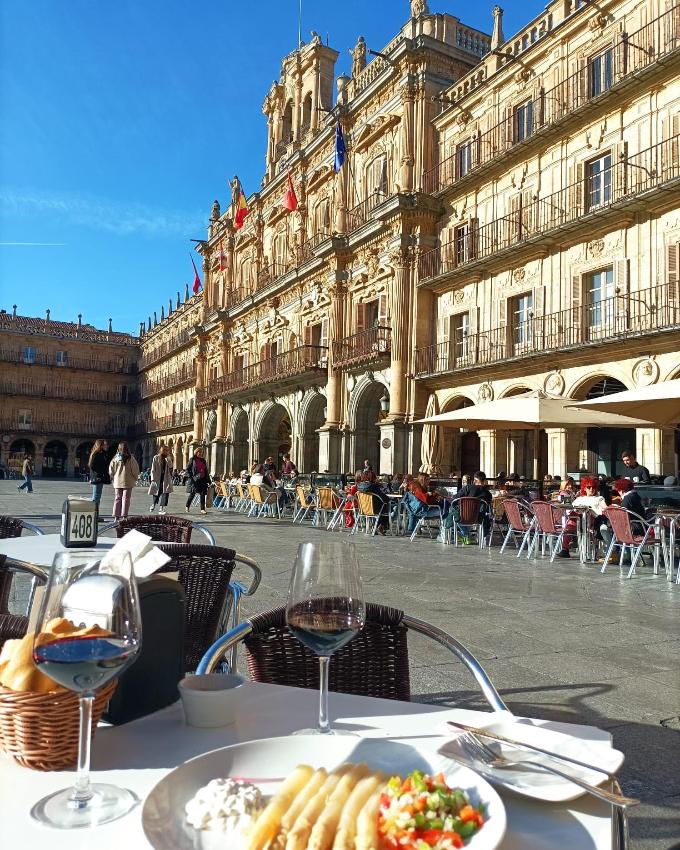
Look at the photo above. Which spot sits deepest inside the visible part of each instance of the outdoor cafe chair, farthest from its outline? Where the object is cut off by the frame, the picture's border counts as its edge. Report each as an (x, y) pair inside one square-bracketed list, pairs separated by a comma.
[(434, 512), (303, 505), (550, 527), (212, 599), (274, 655), (263, 502), (625, 537), (13, 527), (14, 625), (365, 512), (242, 503), (521, 523), (326, 503), (470, 517), (222, 496), (160, 527)]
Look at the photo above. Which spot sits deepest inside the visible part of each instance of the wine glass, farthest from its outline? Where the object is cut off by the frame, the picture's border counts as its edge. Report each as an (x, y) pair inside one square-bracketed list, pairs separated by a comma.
[(325, 607), (88, 590)]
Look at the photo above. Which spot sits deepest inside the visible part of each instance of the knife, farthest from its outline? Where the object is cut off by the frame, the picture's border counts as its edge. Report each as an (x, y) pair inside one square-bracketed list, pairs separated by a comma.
[(494, 737)]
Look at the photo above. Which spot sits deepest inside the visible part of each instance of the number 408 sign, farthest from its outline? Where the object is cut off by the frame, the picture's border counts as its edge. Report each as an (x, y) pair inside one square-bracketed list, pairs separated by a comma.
[(78, 523)]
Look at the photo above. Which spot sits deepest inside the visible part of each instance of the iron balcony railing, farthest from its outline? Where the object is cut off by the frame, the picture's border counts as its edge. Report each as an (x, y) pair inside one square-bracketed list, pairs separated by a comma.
[(269, 273), (311, 359), (307, 248), (30, 389), (91, 428), (90, 364), (594, 193), (628, 55), (619, 316), (168, 382), (363, 347), (361, 213), (164, 423), (164, 348)]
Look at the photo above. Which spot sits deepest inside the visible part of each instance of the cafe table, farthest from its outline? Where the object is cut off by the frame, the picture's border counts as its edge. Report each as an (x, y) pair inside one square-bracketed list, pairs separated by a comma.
[(39, 551), (139, 754)]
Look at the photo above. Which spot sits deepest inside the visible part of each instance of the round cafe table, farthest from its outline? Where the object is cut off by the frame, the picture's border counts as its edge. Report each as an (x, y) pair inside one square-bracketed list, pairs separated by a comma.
[(39, 551)]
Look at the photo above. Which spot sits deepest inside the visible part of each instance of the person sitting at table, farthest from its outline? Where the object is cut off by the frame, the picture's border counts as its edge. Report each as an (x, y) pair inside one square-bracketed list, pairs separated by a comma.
[(368, 484), (477, 490), (629, 498), (588, 498), (395, 483), (567, 490), (419, 502), (350, 504)]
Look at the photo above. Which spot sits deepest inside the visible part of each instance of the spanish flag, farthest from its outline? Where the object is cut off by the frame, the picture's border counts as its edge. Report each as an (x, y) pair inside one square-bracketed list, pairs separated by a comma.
[(241, 208), (290, 201)]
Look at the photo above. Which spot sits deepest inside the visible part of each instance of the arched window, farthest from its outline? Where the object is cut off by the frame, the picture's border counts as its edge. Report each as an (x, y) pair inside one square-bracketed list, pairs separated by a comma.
[(322, 217), (287, 126), (377, 183), (306, 114)]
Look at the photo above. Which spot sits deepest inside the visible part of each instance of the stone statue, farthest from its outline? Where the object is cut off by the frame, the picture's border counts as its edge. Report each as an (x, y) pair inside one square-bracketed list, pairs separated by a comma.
[(419, 7), (316, 38), (358, 54), (215, 214), (234, 193)]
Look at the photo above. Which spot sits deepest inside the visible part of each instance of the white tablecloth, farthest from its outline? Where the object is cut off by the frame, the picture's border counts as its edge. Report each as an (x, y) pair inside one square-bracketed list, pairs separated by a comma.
[(140, 753), (40, 549)]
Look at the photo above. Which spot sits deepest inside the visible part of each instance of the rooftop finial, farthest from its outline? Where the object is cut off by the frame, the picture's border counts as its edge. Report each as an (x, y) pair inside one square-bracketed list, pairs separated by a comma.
[(149, 327), (110, 326), (179, 301), (141, 328), (80, 319), (419, 7), (215, 214), (47, 315), (14, 311), (169, 306), (186, 292), (497, 37), (162, 313), (155, 319)]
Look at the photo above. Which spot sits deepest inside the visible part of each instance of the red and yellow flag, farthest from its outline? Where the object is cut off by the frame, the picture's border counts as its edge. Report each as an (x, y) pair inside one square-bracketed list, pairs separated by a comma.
[(290, 199), (241, 208)]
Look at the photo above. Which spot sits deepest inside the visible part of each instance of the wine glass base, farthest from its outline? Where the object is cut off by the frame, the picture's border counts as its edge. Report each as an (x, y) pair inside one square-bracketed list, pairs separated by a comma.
[(108, 803), (317, 731)]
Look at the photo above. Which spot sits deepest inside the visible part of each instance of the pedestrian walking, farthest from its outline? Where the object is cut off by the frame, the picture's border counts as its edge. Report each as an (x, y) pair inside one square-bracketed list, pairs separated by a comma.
[(199, 479), (27, 472), (161, 479), (99, 469), (124, 472)]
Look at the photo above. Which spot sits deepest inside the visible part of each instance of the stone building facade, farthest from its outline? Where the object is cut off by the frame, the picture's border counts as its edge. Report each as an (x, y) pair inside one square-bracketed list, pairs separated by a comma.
[(62, 385)]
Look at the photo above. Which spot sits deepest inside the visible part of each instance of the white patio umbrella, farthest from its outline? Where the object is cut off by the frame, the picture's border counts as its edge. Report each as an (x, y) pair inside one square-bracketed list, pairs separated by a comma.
[(659, 403), (431, 443), (531, 411)]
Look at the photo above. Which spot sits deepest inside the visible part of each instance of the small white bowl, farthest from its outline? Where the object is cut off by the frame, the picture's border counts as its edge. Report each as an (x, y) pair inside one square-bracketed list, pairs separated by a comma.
[(211, 700)]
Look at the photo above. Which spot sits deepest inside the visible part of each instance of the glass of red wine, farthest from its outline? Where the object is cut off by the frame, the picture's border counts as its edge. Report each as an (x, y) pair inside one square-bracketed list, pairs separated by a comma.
[(325, 607), (89, 591)]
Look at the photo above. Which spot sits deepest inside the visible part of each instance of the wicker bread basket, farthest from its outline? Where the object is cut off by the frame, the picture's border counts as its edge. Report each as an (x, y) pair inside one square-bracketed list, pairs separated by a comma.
[(41, 730)]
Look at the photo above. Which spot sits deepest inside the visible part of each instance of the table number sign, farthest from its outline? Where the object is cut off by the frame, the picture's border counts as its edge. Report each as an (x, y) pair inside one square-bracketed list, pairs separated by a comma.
[(78, 522)]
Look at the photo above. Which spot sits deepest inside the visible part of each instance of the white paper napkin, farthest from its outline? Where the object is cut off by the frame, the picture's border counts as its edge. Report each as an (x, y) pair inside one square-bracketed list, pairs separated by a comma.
[(146, 558)]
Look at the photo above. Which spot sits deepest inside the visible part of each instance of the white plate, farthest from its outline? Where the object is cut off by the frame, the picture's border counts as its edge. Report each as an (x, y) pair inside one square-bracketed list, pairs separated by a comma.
[(538, 783), (163, 813)]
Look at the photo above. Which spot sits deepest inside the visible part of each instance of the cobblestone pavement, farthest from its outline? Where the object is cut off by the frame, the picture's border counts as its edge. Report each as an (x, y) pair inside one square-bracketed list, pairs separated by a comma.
[(560, 641)]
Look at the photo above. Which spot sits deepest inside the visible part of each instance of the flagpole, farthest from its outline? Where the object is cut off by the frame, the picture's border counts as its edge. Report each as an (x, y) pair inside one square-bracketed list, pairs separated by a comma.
[(299, 23)]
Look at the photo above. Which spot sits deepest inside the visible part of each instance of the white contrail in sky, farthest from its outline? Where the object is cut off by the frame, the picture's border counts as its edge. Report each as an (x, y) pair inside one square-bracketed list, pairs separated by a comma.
[(37, 244)]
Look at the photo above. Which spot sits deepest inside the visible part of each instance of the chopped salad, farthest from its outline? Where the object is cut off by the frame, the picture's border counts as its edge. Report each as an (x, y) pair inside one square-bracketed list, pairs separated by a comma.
[(421, 812)]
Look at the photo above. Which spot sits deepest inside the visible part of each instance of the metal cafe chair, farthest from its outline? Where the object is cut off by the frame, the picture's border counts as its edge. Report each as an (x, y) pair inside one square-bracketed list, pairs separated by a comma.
[(469, 517), (550, 527), (274, 655), (13, 527), (15, 625), (521, 523), (160, 527), (263, 501), (365, 512), (303, 505), (626, 536), (327, 502)]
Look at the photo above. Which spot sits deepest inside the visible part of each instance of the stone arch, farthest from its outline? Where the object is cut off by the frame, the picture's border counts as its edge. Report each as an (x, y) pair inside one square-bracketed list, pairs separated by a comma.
[(517, 389), (17, 452), (364, 415), (82, 456), (461, 448), (273, 433), (55, 459), (588, 387), (238, 438), (312, 417)]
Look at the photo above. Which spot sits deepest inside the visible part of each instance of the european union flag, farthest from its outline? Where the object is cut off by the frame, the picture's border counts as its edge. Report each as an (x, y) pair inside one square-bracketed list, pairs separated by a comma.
[(339, 147)]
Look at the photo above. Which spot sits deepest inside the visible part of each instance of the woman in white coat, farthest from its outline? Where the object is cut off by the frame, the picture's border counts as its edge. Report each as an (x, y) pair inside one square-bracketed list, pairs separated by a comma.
[(161, 479), (124, 472)]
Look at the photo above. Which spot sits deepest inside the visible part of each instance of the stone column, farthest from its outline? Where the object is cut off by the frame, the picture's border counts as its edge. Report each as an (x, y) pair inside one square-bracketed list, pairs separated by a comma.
[(557, 452), (208, 294), (488, 452), (329, 435), (517, 453), (652, 450), (400, 322), (406, 138), (200, 384), (71, 458)]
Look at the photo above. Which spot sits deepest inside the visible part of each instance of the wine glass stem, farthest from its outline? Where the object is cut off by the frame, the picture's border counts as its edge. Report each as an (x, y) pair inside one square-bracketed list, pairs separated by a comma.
[(324, 722), (82, 792)]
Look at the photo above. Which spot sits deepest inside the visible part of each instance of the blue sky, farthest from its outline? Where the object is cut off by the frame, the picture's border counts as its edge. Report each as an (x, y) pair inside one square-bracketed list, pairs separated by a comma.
[(122, 122)]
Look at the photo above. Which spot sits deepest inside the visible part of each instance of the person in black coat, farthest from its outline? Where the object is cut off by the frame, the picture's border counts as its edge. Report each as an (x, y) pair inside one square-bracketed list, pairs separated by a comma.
[(630, 500), (99, 469), (199, 479)]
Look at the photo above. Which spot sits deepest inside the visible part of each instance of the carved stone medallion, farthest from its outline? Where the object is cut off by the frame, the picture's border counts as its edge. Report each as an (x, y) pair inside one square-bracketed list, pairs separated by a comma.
[(646, 372), (554, 384), (485, 392)]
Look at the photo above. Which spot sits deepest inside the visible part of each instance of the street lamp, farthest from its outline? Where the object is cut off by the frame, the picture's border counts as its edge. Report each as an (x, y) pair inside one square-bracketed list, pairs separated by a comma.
[(385, 402)]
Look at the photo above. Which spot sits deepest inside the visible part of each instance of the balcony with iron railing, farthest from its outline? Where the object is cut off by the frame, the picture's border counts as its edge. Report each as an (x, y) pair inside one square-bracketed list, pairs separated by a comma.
[(305, 363), (268, 274), (168, 382), (629, 56), (571, 211), (89, 364), (182, 419), (306, 251), (163, 349), (619, 317), (361, 213), (88, 428), (89, 393), (365, 346)]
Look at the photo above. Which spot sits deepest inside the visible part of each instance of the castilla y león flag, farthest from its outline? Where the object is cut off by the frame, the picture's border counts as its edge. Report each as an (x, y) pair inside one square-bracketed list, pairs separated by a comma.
[(241, 208), (197, 280), (290, 201)]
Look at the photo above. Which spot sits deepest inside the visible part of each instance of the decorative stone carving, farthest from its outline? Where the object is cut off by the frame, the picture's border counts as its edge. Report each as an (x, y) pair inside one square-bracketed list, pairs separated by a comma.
[(358, 53), (485, 392), (419, 7), (518, 275), (215, 214), (554, 383), (596, 248), (646, 372), (597, 23), (463, 118), (523, 77)]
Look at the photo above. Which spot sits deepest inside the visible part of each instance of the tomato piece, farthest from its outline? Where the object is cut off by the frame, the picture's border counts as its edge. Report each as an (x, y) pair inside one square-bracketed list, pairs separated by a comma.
[(454, 838), (431, 836), (385, 801), (420, 804), (440, 779), (467, 813), (407, 785)]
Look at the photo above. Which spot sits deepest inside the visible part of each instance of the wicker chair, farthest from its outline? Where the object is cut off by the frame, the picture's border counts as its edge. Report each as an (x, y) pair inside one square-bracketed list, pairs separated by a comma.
[(205, 574), (11, 625), (374, 663), (170, 529), (13, 527)]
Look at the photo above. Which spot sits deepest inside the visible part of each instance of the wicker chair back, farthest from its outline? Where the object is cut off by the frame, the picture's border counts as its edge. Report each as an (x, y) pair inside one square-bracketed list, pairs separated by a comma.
[(162, 527)]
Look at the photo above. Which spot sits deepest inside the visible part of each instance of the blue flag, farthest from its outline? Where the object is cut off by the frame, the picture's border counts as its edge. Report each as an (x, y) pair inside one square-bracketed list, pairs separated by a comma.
[(339, 147)]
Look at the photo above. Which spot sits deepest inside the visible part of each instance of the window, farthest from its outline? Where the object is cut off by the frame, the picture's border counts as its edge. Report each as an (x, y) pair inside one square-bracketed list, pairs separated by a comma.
[(461, 244), (599, 182), (464, 158), (377, 178), (371, 314), (61, 358), (523, 121), (601, 72), (600, 297), (24, 420), (315, 333), (459, 341), (28, 354), (522, 314)]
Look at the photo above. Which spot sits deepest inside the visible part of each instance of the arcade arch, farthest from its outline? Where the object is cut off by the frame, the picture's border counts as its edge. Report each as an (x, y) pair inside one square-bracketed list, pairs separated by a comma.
[(273, 434), (239, 441), (365, 418), (55, 458), (312, 417), (461, 447)]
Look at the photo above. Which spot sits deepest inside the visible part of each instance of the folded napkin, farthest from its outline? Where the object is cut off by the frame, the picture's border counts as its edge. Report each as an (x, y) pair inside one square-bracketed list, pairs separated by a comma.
[(146, 558)]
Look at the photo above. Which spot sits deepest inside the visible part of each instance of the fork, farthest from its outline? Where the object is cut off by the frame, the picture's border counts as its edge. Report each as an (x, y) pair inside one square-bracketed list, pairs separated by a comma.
[(478, 751)]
